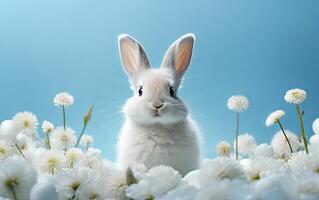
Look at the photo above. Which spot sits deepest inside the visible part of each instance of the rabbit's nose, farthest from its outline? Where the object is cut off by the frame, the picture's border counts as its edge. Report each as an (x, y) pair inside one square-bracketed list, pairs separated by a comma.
[(158, 106)]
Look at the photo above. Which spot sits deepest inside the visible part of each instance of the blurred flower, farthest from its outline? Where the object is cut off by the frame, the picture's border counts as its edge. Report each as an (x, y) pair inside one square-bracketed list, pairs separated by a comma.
[(223, 148), (261, 167), (264, 151), (246, 144), (95, 191), (156, 182), (16, 178), (6, 149), (8, 130), (238, 103), (219, 169), (63, 99), (274, 117), (44, 188), (315, 126), (115, 185), (50, 161), (63, 138), (295, 96), (280, 144), (86, 140), (47, 127), (182, 192), (314, 141), (25, 121), (73, 155)]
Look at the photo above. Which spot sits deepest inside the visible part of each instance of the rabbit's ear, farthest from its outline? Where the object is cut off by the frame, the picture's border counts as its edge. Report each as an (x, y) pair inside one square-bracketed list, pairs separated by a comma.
[(133, 56), (178, 56)]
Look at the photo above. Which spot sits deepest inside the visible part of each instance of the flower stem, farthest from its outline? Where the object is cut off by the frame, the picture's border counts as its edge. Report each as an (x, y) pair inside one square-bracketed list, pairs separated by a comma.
[(237, 133), (64, 117), (14, 193), (19, 150), (87, 146), (303, 135), (48, 140), (83, 129), (283, 131)]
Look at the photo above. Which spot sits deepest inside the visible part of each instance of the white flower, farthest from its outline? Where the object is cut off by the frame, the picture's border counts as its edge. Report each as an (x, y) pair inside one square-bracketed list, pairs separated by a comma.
[(86, 140), (50, 161), (238, 103), (280, 144), (156, 182), (6, 149), (274, 117), (8, 130), (47, 127), (44, 188), (295, 96), (16, 175), (219, 169), (70, 181), (246, 144), (73, 155), (63, 99), (314, 141), (93, 191), (264, 151), (115, 184), (223, 148), (25, 121), (183, 192), (307, 184), (24, 142), (315, 126), (92, 159), (261, 167), (63, 139)]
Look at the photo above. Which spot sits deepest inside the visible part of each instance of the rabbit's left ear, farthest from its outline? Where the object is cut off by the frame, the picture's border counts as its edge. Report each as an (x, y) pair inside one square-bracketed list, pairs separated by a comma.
[(178, 56)]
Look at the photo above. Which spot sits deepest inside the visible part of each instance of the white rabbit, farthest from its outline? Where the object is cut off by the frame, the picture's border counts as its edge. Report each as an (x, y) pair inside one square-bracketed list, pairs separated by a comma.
[(158, 129)]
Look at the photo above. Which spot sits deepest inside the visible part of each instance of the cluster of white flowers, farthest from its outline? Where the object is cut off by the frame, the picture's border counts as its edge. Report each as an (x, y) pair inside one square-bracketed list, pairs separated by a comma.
[(53, 166)]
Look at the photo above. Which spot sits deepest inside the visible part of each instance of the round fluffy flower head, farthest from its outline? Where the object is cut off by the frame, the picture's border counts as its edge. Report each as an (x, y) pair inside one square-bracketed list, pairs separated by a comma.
[(63, 99), (25, 121), (295, 96), (73, 154), (16, 174), (280, 144), (246, 144), (238, 103), (5, 149), (63, 139), (86, 140), (264, 151), (315, 126), (274, 117), (47, 127), (51, 161), (223, 148)]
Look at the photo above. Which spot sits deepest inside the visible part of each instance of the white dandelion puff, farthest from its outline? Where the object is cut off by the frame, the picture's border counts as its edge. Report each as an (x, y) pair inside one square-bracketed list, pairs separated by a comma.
[(47, 127), (295, 96), (223, 148), (238, 103), (86, 140), (73, 155), (274, 117), (264, 151), (281, 146), (63, 138), (51, 161), (246, 144), (63, 99), (315, 126), (25, 121)]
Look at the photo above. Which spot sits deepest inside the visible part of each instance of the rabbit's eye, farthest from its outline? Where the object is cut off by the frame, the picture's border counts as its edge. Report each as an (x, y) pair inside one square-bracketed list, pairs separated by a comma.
[(171, 91), (140, 91)]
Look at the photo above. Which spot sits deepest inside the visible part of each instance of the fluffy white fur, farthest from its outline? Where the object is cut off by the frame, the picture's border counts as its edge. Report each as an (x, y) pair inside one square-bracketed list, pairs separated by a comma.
[(158, 129)]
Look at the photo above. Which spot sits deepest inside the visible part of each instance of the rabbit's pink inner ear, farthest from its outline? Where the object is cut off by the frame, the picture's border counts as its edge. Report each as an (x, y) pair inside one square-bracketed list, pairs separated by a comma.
[(183, 55)]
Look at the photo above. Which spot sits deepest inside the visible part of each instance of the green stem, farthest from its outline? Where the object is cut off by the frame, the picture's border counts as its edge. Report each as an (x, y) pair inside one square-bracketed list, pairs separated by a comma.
[(19, 150), (237, 133), (87, 146), (83, 129), (64, 117), (48, 140), (303, 135), (14, 193), (283, 131)]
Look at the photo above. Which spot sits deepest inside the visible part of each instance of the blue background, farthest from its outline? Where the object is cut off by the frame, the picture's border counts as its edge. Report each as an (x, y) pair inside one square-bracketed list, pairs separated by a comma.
[(256, 48)]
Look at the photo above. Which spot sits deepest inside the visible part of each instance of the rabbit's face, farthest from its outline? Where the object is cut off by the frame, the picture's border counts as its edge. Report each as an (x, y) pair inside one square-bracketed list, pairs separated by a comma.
[(154, 99)]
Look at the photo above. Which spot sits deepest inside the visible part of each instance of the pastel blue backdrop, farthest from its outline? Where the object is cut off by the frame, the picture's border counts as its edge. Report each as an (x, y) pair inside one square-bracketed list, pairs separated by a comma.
[(256, 48)]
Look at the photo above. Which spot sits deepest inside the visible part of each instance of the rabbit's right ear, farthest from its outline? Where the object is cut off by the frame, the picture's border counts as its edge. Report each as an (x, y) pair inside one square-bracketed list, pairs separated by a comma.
[(133, 56)]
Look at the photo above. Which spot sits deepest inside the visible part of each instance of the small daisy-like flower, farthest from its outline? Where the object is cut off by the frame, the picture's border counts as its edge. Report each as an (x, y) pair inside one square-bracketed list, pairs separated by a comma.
[(281, 146), (86, 140), (25, 121), (47, 127), (63, 139), (295, 96), (156, 182), (115, 185), (16, 178), (261, 167), (5, 149), (73, 155), (50, 161), (219, 169), (223, 148), (63, 99), (264, 151), (246, 144), (315, 126), (274, 117), (238, 103)]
